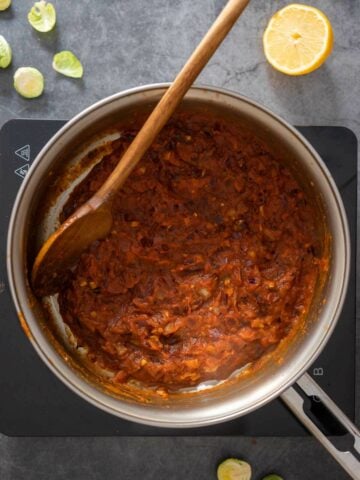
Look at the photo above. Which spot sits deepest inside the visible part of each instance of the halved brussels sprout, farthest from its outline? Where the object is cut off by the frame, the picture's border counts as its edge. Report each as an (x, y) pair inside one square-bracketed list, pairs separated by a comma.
[(29, 82), (234, 469), (272, 477), (5, 53), (4, 4), (42, 16), (68, 64)]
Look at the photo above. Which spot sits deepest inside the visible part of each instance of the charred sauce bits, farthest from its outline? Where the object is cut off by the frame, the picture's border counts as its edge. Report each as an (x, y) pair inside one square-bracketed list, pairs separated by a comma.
[(210, 262)]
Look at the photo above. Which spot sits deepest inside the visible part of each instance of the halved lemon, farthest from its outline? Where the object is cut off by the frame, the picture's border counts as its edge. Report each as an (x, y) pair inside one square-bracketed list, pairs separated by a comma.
[(298, 39)]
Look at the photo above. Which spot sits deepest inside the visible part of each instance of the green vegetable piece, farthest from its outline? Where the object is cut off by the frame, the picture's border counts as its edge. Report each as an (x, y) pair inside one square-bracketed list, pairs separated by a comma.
[(4, 4), (28, 82), (68, 64), (42, 16), (5, 53), (272, 477), (234, 469)]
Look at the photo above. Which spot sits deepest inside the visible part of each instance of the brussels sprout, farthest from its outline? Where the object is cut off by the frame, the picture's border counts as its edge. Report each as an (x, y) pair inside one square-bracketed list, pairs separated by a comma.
[(272, 477), (28, 82), (5, 53), (4, 4), (68, 64), (42, 16), (234, 469)]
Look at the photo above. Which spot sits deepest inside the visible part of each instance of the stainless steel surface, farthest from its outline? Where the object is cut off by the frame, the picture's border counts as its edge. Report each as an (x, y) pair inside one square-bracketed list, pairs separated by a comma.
[(213, 405), (347, 459)]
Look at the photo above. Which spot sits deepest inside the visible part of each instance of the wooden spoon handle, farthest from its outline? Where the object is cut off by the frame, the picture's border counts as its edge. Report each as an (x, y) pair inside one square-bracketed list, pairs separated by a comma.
[(172, 97)]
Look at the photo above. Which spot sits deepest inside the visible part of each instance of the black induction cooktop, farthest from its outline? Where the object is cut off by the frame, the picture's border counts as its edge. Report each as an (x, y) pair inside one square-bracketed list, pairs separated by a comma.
[(34, 402)]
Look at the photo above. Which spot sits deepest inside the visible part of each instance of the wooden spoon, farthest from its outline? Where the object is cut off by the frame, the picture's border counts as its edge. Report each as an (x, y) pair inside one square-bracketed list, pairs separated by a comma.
[(93, 220)]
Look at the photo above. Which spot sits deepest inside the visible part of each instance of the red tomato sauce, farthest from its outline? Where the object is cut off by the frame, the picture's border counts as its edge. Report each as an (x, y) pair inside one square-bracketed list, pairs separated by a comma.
[(211, 261)]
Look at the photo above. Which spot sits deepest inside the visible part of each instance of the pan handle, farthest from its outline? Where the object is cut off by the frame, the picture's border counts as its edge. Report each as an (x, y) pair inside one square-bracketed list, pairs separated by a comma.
[(294, 399)]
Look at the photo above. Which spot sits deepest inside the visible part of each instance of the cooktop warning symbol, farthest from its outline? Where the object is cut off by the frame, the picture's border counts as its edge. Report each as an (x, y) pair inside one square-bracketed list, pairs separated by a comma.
[(24, 153), (22, 171)]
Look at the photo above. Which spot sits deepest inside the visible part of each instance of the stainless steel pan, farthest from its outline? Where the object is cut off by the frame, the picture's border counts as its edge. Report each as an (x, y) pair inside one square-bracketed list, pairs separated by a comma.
[(35, 215)]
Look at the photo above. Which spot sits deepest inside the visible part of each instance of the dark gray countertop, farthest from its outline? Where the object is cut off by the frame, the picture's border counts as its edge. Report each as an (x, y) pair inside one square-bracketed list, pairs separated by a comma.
[(125, 43)]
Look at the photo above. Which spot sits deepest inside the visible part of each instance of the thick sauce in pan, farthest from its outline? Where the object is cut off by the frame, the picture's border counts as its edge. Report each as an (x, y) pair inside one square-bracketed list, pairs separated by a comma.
[(210, 263)]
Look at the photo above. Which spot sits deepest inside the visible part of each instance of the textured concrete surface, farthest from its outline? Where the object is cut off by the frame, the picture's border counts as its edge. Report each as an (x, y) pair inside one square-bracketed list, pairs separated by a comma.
[(125, 43)]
